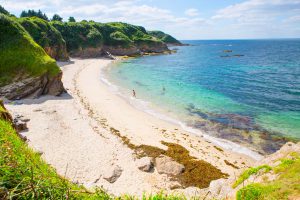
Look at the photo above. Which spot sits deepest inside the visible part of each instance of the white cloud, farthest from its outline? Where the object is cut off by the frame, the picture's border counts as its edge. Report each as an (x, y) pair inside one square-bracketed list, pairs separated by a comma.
[(192, 12), (248, 19)]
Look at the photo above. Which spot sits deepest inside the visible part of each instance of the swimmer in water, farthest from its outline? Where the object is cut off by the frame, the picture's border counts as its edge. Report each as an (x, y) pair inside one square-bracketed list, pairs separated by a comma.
[(133, 93)]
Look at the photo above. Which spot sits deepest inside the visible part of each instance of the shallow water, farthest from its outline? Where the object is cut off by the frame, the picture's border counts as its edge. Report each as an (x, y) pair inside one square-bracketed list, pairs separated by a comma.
[(250, 95)]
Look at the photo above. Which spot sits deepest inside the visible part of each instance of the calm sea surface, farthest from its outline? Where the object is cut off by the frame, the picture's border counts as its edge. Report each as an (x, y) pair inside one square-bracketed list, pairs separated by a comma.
[(246, 91)]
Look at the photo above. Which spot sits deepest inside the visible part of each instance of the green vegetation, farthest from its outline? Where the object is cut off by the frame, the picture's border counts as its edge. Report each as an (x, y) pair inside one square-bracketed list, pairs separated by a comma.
[(85, 34), (79, 35), (285, 186), (46, 35), (251, 171), (56, 17), (164, 37), (20, 54), (72, 19), (33, 13), (3, 11)]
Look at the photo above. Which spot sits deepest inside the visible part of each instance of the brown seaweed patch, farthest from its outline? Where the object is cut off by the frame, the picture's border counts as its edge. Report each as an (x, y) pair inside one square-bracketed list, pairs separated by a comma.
[(230, 164), (218, 148), (198, 173)]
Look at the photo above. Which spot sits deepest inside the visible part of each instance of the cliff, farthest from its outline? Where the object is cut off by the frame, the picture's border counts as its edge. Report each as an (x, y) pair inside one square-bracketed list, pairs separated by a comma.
[(166, 38), (25, 68), (92, 39), (46, 36)]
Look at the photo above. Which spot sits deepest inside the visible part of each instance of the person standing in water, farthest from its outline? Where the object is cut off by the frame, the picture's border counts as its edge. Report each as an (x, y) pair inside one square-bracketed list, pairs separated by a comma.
[(133, 93)]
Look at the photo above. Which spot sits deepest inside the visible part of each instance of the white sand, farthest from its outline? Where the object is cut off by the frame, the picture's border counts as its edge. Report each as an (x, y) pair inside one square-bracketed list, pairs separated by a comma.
[(73, 133)]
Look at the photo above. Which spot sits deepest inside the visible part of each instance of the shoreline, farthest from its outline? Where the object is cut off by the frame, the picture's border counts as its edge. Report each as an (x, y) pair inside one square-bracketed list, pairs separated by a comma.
[(141, 105), (71, 132)]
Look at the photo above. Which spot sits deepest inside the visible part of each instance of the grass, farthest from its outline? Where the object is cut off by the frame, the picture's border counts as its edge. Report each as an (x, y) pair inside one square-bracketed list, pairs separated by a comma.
[(251, 171), (20, 55), (285, 186)]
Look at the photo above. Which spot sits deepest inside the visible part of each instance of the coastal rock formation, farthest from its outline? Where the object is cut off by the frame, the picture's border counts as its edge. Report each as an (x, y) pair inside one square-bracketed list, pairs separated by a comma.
[(166, 165), (157, 47), (89, 52), (122, 51), (144, 164), (112, 174), (33, 87), (26, 69)]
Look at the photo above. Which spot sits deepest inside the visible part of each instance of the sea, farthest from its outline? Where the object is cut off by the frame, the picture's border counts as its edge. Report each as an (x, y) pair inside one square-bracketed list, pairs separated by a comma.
[(246, 92)]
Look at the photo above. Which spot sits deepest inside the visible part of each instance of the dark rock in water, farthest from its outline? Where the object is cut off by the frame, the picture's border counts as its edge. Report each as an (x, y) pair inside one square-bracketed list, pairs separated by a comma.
[(33, 87), (238, 55), (226, 56), (227, 51)]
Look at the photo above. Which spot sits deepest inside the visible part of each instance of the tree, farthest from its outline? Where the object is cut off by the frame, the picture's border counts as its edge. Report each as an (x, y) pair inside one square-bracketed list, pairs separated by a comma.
[(33, 13), (56, 17), (72, 19), (2, 10)]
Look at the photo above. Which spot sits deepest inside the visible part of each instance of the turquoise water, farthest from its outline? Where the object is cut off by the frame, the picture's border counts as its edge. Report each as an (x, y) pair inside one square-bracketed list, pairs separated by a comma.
[(249, 95)]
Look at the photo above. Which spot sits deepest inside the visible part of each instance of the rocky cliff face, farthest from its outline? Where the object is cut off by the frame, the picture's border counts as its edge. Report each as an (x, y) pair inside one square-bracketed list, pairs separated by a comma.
[(89, 52), (153, 47), (122, 51), (33, 87), (57, 52)]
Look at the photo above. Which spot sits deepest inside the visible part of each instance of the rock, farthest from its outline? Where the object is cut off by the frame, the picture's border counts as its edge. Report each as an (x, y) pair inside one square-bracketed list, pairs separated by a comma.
[(33, 87), (216, 186), (174, 185), (144, 164), (220, 188), (166, 165), (19, 125), (112, 174)]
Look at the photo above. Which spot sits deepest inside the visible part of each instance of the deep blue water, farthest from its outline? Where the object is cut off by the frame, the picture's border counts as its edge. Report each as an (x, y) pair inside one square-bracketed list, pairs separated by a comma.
[(253, 87)]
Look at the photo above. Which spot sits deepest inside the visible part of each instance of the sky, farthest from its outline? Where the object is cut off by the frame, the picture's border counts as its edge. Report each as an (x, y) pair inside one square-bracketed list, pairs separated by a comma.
[(184, 19)]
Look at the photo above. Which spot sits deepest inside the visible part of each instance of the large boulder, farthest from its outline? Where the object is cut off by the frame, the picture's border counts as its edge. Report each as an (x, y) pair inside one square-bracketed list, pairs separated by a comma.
[(166, 165), (144, 164), (112, 174)]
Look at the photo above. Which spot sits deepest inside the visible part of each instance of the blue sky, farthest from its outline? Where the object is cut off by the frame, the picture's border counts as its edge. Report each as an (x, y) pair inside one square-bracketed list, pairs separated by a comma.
[(184, 19)]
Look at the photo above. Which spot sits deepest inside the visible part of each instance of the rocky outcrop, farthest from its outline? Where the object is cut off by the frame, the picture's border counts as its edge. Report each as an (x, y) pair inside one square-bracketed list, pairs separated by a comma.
[(112, 174), (166, 165), (153, 47), (89, 52), (33, 87), (122, 51), (57, 52)]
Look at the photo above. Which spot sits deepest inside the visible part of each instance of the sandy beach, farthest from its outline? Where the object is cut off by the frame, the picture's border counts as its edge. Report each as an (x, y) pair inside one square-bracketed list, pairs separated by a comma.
[(72, 132)]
